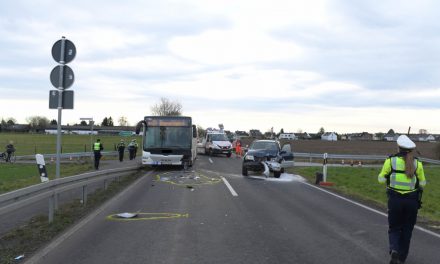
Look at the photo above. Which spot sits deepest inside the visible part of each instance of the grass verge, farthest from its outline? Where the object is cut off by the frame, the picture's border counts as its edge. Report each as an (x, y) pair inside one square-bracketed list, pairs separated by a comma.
[(361, 183), (16, 176), (28, 238)]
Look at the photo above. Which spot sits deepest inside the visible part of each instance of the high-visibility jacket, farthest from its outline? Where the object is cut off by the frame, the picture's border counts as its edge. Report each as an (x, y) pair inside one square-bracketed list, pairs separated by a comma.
[(97, 146), (393, 174)]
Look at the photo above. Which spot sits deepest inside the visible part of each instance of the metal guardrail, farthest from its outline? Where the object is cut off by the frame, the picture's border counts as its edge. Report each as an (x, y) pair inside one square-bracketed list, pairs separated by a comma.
[(355, 157), (69, 155), (16, 199)]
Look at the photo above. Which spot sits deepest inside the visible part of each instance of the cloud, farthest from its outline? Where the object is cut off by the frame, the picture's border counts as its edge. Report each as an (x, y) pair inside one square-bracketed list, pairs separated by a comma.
[(296, 64), (220, 47)]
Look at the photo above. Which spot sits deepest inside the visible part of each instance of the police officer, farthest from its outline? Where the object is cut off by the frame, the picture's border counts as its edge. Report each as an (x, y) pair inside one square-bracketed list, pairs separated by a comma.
[(136, 146), (132, 149), (97, 147), (405, 178), (121, 148)]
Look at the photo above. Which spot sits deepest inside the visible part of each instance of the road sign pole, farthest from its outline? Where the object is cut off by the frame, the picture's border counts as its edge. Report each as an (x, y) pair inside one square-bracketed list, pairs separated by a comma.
[(61, 77), (60, 103)]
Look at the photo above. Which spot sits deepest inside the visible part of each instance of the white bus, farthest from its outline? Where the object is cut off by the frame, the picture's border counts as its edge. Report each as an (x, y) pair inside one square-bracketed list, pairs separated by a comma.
[(168, 140)]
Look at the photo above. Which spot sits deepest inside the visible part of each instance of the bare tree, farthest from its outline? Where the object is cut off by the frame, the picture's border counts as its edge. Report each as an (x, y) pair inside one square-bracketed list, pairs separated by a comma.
[(122, 121), (201, 131), (167, 108), (38, 122)]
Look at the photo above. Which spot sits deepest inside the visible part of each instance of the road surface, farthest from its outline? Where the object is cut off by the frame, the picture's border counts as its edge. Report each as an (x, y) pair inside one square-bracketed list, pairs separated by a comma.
[(214, 215)]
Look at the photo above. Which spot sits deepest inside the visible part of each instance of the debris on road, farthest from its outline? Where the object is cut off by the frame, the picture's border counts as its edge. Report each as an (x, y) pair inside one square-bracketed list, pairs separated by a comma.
[(19, 257), (127, 215)]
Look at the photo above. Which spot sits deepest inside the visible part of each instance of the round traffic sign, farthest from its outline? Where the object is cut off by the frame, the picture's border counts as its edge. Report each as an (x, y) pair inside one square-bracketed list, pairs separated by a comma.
[(62, 73), (69, 51)]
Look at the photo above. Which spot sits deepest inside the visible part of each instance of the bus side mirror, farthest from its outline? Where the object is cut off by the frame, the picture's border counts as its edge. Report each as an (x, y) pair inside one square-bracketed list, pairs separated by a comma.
[(194, 129), (139, 126)]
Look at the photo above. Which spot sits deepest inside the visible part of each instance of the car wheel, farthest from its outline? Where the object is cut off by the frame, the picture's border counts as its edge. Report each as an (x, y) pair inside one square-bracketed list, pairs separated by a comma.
[(277, 174), (244, 171)]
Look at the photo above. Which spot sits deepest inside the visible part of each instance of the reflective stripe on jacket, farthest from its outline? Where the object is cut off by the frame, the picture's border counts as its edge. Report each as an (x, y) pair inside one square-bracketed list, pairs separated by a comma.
[(393, 173)]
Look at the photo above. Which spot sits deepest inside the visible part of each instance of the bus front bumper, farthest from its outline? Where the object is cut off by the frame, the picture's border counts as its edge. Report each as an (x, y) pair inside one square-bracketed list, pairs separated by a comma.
[(154, 159)]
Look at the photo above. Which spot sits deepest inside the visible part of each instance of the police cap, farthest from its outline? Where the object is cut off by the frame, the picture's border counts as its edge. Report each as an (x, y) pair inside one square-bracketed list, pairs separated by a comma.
[(404, 142)]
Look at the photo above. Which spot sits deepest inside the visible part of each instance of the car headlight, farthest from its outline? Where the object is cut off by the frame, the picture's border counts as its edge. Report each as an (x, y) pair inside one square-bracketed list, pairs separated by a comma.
[(215, 146), (249, 157)]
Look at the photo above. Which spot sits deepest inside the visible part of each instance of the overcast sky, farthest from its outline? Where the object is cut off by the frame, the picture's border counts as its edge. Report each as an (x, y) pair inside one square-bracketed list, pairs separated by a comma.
[(347, 66)]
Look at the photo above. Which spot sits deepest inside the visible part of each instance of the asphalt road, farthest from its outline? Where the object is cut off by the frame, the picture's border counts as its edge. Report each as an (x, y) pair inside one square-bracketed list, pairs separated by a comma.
[(194, 217)]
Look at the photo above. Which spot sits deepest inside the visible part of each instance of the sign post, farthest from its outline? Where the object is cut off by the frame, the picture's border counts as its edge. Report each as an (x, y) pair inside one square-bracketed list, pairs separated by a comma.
[(61, 77)]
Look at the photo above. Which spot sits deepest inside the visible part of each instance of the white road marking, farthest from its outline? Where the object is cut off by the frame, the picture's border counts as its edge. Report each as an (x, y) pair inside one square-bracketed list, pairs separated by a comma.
[(229, 186), (210, 160), (370, 209)]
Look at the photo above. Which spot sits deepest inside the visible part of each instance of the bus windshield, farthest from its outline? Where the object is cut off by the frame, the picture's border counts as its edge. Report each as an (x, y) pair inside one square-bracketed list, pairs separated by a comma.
[(167, 137)]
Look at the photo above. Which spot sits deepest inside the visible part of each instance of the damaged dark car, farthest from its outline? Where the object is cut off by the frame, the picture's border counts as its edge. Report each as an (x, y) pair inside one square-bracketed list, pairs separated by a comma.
[(265, 156)]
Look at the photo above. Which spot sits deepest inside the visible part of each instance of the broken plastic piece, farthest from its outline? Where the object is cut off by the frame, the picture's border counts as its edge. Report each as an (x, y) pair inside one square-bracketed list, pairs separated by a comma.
[(266, 169), (126, 215), (19, 257)]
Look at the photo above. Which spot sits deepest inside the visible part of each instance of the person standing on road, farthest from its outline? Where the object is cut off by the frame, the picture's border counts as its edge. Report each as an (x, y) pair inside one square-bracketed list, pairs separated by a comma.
[(121, 148), (97, 147), (132, 149), (136, 146), (405, 178), (238, 148)]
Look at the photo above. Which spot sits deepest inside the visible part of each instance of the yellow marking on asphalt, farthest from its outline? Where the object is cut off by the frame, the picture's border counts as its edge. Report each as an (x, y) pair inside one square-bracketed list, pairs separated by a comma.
[(148, 216)]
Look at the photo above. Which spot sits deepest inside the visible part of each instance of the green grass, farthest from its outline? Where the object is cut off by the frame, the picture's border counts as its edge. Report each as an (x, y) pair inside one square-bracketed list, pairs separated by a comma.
[(28, 144), (16, 176), (361, 183)]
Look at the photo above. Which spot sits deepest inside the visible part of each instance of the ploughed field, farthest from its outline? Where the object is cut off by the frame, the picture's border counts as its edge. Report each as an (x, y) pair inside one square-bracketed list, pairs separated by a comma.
[(425, 149)]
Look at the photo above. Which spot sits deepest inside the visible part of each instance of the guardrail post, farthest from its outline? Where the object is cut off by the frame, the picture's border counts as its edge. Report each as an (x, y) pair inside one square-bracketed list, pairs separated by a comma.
[(51, 207), (55, 202), (84, 195), (324, 167), (310, 158)]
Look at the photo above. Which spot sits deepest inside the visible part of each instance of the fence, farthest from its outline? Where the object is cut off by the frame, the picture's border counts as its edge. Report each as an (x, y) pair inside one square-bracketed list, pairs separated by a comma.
[(311, 156)]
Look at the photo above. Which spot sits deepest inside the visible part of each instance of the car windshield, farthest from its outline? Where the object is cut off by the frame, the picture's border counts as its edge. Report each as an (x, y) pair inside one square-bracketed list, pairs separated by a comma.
[(265, 145), (219, 137)]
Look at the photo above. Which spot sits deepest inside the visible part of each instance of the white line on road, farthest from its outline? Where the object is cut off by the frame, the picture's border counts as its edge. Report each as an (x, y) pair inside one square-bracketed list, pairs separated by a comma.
[(210, 160), (229, 187), (370, 209)]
